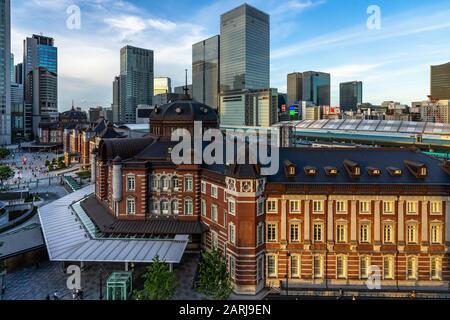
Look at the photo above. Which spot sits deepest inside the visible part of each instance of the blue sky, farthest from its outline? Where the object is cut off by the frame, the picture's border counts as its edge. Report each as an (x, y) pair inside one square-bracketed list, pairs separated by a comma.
[(321, 35)]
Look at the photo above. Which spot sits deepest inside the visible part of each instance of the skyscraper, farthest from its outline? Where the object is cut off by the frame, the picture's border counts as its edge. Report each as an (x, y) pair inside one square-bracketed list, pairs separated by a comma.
[(244, 49), (294, 87), (17, 112), (5, 72), (41, 82), (116, 100), (162, 85), (18, 73), (316, 88), (440, 81), (11, 68), (205, 71), (350, 94), (136, 81)]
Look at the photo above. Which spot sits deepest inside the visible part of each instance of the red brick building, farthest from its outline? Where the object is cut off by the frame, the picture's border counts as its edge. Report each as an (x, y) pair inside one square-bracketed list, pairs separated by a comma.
[(328, 218)]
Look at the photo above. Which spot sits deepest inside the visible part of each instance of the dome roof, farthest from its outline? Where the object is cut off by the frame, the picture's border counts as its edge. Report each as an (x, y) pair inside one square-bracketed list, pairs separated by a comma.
[(184, 110), (74, 114)]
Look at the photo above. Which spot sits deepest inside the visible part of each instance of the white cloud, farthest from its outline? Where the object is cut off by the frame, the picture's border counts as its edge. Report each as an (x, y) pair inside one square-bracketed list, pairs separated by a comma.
[(296, 6)]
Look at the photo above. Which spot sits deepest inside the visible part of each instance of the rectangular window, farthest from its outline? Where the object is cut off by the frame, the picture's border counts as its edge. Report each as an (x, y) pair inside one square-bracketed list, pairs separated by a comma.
[(364, 263), (203, 208), (131, 206), (260, 234), (271, 266), (272, 206), (341, 206), (295, 266), (271, 232), (232, 233), (188, 207), (388, 268), (341, 267), (214, 240), (231, 207), (388, 233), (214, 192), (412, 273), (318, 267), (295, 234), (203, 187), (388, 207), (318, 232), (412, 233), (436, 207), (188, 184), (214, 213), (225, 213), (155, 184), (131, 183), (260, 268), (317, 206), (436, 233), (436, 268), (364, 235), (364, 206), (411, 207), (260, 208), (232, 267), (341, 233), (294, 206)]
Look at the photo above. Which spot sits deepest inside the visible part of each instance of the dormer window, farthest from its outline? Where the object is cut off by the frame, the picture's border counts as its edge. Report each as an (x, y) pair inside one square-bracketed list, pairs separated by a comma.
[(353, 168), (375, 172), (331, 171), (418, 169), (290, 169), (310, 171), (395, 172)]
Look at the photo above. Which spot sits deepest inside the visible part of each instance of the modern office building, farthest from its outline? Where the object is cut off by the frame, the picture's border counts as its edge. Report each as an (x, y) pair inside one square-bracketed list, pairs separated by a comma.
[(11, 68), (294, 88), (18, 73), (180, 89), (351, 95), (136, 81), (440, 81), (249, 108), (115, 106), (316, 88), (40, 82), (5, 72), (205, 71), (162, 85), (17, 113), (244, 49)]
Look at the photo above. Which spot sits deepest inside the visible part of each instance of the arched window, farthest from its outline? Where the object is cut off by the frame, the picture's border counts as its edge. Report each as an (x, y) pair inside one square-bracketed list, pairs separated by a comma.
[(164, 207), (175, 207), (155, 183), (175, 183), (188, 207), (165, 183), (154, 207)]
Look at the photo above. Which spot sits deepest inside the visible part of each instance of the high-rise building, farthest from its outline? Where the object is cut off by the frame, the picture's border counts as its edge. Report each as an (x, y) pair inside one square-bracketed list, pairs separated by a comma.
[(136, 81), (181, 89), (316, 88), (11, 68), (5, 72), (294, 88), (17, 112), (40, 82), (205, 71), (440, 81), (351, 95), (244, 49), (162, 85), (257, 108), (18, 73), (115, 106)]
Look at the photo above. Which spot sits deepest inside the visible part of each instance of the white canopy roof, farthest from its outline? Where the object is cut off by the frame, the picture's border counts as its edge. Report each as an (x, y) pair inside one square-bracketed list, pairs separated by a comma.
[(68, 240)]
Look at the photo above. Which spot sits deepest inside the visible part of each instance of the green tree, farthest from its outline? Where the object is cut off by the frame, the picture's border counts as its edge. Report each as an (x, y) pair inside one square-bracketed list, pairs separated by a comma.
[(160, 283), (214, 279), (5, 173), (4, 153)]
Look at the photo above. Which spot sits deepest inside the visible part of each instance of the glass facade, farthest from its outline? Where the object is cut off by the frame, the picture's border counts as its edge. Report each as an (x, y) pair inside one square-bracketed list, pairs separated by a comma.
[(440, 82), (5, 72), (162, 85), (350, 95), (205, 71), (316, 88), (136, 81), (244, 49)]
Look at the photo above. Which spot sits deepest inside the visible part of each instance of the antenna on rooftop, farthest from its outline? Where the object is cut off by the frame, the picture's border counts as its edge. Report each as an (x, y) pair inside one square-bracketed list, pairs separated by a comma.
[(186, 89)]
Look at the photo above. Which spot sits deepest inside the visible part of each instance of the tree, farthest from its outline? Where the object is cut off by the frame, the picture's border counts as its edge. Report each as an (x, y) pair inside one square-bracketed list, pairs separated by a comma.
[(214, 279), (4, 153), (6, 173), (160, 283)]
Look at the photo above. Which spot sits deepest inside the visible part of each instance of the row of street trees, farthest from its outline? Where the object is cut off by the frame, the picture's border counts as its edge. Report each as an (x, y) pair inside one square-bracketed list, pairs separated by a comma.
[(160, 282)]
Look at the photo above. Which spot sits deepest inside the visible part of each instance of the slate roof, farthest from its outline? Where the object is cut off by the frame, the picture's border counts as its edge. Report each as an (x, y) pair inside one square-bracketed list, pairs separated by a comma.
[(184, 110)]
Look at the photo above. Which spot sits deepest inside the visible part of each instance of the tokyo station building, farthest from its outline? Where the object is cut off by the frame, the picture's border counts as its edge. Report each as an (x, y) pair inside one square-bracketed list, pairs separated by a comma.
[(328, 218)]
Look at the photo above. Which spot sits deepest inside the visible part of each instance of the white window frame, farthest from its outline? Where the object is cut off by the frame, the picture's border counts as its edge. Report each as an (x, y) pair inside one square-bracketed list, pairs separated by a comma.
[(297, 231), (318, 206), (186, 212), (203, 208), (188, 184), (131, 182), (318, 259), (232, 207), (341, 206), (343, 259), (411, 233), (203, 187), (412, 207), (260, 207), (270, 208), (388, 207), (365, 207), (260, 268), (318, 237), (367, 260), (414, 275), (232, 233), (214, 240), (269, 232), (388, 261), (232, 266), (388, 233), (368, 233), (131, 210), (436, 208), (260, 234), (436, 263), (342, 232), (214, 194), (297, 272), (269, 257), (436, 233), (294, 206), (214, 213)]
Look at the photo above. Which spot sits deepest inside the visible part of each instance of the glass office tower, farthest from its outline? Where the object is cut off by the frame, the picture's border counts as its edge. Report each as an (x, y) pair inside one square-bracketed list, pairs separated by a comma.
[(205, 71), (136, 81), (316, 88), (244, 49), (350, 95), (5, 72), (440, 81)]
